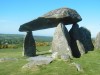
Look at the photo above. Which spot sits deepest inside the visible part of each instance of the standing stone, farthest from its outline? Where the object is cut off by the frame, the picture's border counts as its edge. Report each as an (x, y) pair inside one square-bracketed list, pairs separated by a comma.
[(80, 47), (85, 38), (76, 45), (60, 43), (29, 45), (97, 41)]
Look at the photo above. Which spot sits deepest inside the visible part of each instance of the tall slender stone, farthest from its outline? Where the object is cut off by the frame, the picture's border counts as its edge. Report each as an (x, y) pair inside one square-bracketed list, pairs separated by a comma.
[(60, 43), (85, 38), (97, 41), (29, 45), (76, 45)]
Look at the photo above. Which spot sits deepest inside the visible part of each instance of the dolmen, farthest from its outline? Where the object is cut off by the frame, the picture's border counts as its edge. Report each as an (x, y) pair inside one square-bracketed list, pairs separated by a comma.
[(66, 44)]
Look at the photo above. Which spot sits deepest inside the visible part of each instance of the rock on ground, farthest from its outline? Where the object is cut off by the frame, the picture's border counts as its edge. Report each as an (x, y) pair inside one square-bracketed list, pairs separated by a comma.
[(54, 55), (37, 60), (65, 57), (78, 67), (8, 59)]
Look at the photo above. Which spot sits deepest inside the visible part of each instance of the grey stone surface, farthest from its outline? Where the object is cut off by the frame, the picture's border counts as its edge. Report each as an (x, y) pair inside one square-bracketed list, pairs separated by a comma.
[(76, 45), (85, 38), (55, 55), (29, 45), (80, 47), (8, 59), (97, 41), (65, 57), (51, 19), (61, 40), (78, 67), (37, 60), (80, 40)]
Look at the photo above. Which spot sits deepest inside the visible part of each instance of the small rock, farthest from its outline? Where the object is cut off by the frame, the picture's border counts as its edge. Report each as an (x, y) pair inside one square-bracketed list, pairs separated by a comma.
[(29, 65), (65, 57), (8, 59), (54, 55), (38, 60), (50, 50), (78, 66)]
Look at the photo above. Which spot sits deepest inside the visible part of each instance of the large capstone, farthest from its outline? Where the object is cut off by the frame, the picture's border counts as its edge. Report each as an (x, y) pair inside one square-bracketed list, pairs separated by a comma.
[(29, 45), (52, 19), (61, 42), (76, 45), (97, 41)]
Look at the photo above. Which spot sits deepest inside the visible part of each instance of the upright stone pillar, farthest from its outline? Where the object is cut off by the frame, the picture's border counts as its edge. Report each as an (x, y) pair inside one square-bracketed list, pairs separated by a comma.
[(61, 41), (85, 38), (97, 41), (29, 45), (76, 45)]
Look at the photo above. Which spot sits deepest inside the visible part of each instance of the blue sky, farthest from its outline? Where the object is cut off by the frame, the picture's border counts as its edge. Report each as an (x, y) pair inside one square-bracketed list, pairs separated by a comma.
[(13, 13)]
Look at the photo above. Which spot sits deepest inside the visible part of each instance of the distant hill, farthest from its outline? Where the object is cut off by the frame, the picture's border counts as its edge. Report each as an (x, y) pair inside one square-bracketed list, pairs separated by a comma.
[(21, 37), (43, 38), (11, 36)]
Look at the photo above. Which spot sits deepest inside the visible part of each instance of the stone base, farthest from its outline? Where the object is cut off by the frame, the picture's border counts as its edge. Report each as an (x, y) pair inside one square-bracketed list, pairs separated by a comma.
[(36, 61), (29, 45)]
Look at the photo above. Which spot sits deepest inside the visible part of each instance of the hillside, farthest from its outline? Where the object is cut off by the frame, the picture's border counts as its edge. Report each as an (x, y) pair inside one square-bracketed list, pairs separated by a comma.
[(20, 37)]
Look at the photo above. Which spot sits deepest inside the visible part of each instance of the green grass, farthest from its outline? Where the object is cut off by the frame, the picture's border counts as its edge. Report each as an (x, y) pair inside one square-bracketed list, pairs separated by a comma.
[(90, 63), (42, 50), (11, 52)]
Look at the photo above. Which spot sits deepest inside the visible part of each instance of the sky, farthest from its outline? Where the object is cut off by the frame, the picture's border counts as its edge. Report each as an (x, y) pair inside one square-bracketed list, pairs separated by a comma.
[(14, 13)]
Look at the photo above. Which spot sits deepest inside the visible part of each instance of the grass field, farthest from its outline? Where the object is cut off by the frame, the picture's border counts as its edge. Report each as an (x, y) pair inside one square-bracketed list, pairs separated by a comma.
[(90, 63)]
